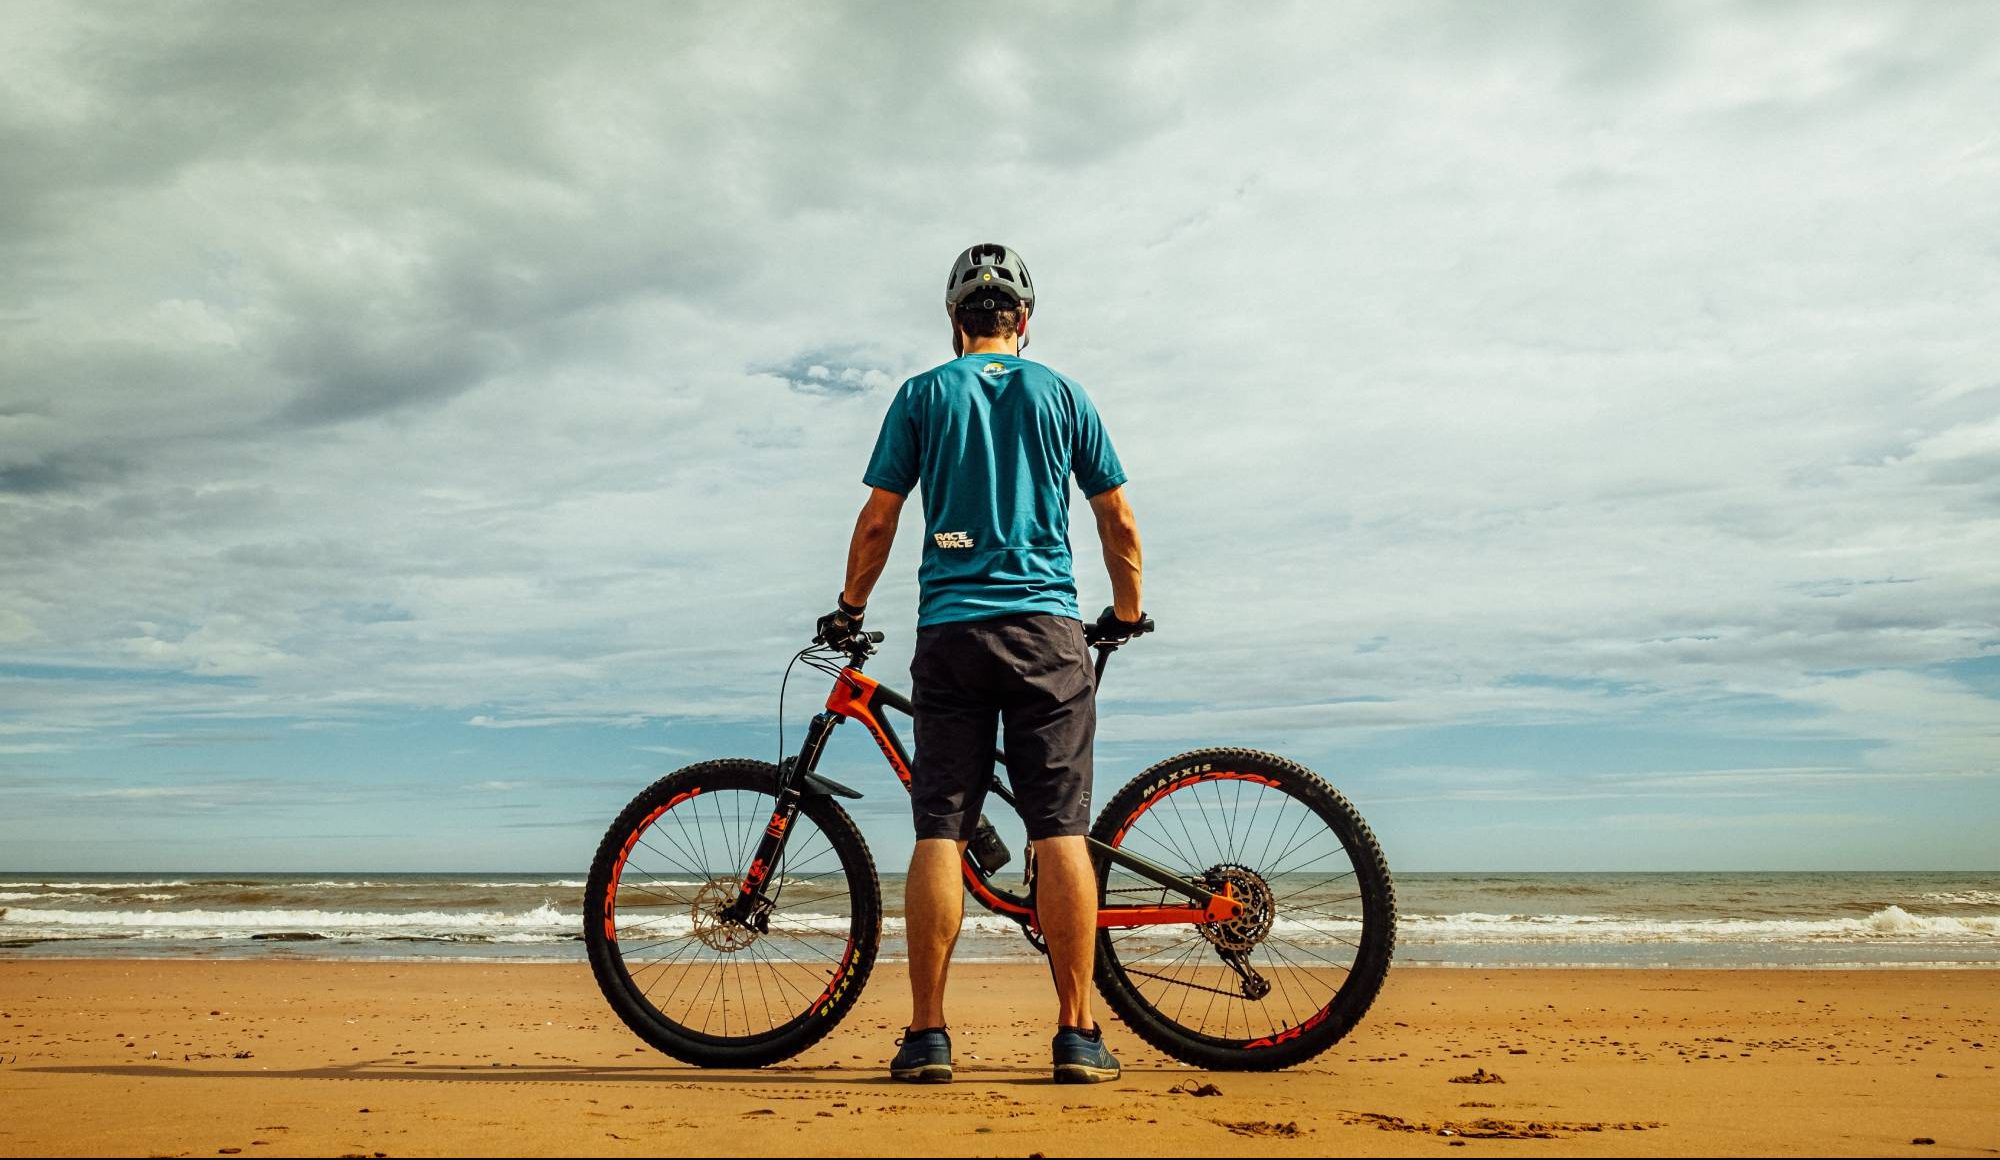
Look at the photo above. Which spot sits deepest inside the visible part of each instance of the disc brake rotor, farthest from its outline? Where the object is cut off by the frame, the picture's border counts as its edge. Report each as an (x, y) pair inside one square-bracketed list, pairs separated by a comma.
[(715, 931)]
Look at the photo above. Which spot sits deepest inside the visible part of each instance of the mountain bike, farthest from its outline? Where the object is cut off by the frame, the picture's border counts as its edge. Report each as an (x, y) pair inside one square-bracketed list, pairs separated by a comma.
[(733, 912)]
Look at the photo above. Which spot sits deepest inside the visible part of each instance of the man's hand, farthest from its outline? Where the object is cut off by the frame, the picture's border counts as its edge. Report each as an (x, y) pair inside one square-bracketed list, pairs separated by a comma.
[(838, 627), (1109, 629)]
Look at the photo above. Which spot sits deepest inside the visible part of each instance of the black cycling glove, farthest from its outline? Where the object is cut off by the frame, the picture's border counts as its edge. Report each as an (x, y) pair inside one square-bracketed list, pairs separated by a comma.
[(1111, 630), (836, 628)]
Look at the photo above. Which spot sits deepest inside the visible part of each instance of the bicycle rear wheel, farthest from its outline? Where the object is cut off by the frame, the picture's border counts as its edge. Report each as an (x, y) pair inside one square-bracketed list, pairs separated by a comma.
[(1299, 968), (693, 983)]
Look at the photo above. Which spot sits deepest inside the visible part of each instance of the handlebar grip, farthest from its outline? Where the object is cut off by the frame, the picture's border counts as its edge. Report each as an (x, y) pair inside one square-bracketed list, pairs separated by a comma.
[(875, 637), (1093, 636)]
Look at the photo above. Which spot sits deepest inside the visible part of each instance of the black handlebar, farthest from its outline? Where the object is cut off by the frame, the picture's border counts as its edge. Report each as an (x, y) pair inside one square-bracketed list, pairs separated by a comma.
[(861, 645), (1092, 637)]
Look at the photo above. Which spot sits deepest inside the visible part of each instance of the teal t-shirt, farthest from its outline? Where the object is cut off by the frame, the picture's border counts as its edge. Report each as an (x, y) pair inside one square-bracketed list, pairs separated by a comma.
[(994, 439)]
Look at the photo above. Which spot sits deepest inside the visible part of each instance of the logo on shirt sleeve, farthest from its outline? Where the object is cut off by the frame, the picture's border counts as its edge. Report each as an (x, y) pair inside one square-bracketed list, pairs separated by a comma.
[(953, 539)]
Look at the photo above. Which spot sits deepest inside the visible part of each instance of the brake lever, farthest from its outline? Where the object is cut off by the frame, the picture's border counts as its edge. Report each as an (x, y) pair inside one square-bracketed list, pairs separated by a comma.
[(861, 645), (1091, 638)]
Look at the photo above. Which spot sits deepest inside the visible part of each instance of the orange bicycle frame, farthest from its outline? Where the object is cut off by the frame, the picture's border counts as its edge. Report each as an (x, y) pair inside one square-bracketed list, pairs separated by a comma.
[(857, 696)]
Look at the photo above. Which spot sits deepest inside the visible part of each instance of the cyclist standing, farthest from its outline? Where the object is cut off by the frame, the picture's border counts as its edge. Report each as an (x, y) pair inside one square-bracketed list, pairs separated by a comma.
[(993, 438)]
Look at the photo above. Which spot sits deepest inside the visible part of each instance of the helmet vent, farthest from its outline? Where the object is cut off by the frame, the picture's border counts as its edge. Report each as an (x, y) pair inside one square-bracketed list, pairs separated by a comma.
[(989, 266)]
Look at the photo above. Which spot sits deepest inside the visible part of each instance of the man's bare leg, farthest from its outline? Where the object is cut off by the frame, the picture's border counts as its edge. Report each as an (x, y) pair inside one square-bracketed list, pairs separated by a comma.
[(933, 906), (1066, 907)]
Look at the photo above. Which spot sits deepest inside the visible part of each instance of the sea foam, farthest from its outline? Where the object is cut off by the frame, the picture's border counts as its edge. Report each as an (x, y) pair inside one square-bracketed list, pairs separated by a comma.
[(543, 919)]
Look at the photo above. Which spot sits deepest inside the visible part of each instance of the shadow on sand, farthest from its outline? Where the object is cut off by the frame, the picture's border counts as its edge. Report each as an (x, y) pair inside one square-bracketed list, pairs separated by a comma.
[(552, 1074)]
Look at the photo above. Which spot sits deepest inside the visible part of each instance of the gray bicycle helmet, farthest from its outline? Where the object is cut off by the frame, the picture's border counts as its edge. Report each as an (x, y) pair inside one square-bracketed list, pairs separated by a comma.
[(990, 266)]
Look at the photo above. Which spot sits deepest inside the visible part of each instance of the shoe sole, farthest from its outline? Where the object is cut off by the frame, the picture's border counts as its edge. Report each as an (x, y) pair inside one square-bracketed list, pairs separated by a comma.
[(928, 1073), (1084, 1073)]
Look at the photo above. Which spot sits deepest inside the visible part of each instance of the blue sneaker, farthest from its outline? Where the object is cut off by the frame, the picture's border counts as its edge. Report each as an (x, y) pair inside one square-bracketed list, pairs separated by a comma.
[(1081, 1056), (922, 1057)]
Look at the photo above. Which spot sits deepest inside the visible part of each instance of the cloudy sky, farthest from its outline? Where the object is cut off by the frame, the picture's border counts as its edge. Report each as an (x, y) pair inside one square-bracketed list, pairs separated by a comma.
[(1573, 429)]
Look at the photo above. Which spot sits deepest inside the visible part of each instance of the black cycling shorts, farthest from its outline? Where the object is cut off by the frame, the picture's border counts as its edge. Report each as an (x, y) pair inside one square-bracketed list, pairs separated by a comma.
[(1030, 672)]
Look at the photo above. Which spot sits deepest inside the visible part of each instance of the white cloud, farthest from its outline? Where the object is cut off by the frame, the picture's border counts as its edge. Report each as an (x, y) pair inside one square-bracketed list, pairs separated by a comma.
[(484, 721), (1782, 821), (149, 791), (1630, 345)]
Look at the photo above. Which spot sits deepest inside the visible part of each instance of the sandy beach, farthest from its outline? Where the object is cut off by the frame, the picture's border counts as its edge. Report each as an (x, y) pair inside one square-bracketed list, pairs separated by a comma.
[(178, 1057)]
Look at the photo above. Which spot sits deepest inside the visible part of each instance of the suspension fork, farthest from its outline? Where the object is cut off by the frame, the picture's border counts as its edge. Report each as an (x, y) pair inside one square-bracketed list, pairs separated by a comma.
[(751, 905)]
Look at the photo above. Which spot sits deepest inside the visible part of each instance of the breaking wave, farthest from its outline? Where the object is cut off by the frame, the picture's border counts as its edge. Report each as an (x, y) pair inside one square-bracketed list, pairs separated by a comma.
[(1963, 897), (548, 923), (92, 885), (1888, 924), (543, 923)]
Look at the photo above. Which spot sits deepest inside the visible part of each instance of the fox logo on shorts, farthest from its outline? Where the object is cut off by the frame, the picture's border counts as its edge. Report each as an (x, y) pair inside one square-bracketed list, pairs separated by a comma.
[(953, 539)]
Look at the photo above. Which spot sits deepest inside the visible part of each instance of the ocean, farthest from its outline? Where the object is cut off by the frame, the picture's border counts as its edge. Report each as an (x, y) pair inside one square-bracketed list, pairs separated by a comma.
[(1888, 919)]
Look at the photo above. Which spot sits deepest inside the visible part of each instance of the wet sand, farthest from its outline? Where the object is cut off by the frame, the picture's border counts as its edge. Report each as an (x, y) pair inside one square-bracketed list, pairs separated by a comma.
[(400, 1059)]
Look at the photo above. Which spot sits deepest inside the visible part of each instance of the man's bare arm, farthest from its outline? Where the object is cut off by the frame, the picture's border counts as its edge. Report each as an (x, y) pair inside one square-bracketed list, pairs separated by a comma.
[(874, 533), (1118, 531)]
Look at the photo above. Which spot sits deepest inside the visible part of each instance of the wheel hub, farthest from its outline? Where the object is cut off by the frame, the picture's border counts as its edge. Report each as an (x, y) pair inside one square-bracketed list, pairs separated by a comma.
[(1260, 910), (710, 926)]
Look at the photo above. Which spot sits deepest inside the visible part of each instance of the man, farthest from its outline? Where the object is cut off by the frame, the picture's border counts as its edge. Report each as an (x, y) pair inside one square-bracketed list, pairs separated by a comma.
[(994, 438)]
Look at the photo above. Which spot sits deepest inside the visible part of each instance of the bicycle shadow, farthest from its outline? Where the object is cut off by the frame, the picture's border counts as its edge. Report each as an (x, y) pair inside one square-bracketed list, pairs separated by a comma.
[(558, 1075)]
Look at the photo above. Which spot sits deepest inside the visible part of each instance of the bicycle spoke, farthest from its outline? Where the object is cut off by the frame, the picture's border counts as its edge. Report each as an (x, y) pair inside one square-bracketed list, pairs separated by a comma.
[(1228, 813), (692, 867), (1194, 986), (703, 972), (671, 898), (1288, 864)]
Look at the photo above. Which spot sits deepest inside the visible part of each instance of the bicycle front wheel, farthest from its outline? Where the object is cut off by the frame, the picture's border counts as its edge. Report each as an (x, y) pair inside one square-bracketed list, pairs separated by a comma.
[(688, 979), (1292, 974)]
